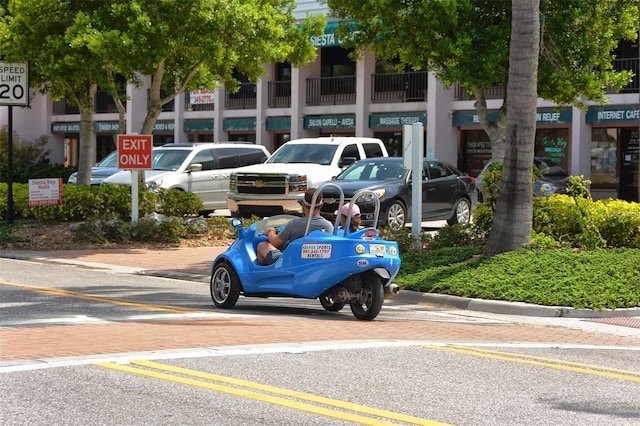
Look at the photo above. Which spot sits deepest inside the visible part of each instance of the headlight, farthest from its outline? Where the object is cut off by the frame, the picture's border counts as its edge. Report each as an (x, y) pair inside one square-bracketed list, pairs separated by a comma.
[(73, 179), (298, 183), (378, 192), (548, 188)]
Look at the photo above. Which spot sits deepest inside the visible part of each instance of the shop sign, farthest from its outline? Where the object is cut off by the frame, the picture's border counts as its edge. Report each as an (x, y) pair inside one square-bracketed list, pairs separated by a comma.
[(347, 121), (543, 116), (330, 38), (65, 127), (164, 126), (396, 120), (106, 127), (613, 115)]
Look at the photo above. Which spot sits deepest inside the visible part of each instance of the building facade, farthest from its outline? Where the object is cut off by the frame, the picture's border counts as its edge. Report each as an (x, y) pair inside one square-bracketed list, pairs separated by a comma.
[(338, 96)]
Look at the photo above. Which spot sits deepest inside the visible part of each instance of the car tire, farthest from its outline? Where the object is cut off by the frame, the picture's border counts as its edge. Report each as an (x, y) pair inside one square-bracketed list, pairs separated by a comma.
[(225, 286), (396, 215), (330, 305), (371, 297), (461, 213)]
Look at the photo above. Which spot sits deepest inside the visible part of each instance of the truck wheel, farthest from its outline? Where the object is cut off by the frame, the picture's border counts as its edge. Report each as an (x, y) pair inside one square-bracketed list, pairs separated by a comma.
[(225, 286), (368, 305)]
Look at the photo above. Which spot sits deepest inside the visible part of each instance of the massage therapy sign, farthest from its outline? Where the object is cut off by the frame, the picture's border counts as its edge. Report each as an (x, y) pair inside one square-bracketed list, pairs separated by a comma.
[(134, 152)]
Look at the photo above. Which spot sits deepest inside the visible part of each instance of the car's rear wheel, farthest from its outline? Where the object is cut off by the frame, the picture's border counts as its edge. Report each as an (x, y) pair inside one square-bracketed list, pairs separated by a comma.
[(329, 304), (396, 215), (369, 304), (225, 286), (461, 213)]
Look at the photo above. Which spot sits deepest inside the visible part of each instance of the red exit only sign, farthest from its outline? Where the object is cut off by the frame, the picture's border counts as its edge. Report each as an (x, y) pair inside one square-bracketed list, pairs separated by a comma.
[(134, 151)]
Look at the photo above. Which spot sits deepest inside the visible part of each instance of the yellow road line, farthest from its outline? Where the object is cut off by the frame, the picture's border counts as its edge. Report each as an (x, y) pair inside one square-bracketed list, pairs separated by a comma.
[(84, 296), (269, 398), (594, 370)]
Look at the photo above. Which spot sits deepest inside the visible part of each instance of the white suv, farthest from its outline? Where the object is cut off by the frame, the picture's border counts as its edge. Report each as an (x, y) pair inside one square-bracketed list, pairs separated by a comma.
[(278, 185), (199, 168)]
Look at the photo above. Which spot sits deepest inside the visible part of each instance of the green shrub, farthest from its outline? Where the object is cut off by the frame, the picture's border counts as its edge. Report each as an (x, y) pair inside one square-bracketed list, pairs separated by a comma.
[(174, 202), (171, 230)]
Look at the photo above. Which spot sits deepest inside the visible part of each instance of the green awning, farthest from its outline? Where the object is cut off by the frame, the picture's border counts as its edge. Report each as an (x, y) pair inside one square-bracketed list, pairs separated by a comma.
[(201, 125), (239, 124)]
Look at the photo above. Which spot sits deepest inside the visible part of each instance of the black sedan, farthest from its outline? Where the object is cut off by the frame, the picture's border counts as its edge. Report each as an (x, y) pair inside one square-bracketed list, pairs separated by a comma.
[(447, 193)]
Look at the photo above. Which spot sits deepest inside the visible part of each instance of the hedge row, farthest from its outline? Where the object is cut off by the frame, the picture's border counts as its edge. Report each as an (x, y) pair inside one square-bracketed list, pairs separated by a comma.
[(104, 202)]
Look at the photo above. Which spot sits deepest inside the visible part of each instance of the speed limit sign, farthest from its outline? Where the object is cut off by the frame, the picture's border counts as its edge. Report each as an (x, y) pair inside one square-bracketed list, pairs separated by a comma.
[(14, 84)]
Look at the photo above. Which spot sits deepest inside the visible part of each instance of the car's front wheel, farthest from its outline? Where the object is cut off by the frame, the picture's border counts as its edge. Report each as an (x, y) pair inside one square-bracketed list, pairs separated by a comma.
[(461, 213), (396, 215), (225, 286), (369, 304)]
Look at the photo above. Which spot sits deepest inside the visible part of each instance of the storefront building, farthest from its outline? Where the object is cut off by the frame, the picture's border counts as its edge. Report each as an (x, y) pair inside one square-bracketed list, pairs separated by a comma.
[(336, 95)]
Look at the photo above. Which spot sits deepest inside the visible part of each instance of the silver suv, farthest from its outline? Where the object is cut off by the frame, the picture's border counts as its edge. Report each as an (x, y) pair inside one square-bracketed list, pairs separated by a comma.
[(199, 168)]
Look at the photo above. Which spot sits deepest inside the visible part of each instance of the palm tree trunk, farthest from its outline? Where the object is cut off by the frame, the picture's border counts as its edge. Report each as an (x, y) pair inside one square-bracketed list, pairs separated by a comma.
[(512, 222)]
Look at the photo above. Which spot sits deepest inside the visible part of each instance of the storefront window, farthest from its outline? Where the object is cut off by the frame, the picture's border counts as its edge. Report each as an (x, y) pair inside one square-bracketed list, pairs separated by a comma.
[(476, 151), (604, 158), (554, 145)]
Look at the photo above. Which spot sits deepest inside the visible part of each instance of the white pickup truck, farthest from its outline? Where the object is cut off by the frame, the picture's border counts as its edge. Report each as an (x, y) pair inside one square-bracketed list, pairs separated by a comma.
[(277, 185)]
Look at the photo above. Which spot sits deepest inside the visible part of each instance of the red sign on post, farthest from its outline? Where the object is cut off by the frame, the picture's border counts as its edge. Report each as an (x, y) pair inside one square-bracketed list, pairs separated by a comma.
[(134, 152)]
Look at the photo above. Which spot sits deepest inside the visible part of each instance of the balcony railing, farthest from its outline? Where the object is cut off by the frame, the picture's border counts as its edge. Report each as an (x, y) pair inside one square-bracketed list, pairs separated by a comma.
[(331, 90), (630, 64), (494, 92), (245, 98), (399, 87), (279, 94)]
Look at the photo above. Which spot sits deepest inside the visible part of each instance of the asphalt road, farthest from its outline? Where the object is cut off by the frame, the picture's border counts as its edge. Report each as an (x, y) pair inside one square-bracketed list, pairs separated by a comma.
[(90, 346)]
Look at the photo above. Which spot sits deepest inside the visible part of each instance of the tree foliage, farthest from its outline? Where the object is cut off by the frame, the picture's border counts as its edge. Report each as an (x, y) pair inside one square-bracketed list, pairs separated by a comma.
[(74, 46), (467, 42)]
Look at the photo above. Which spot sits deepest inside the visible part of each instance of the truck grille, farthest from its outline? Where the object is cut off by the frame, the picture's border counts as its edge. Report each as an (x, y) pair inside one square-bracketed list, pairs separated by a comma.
[(250, 183)]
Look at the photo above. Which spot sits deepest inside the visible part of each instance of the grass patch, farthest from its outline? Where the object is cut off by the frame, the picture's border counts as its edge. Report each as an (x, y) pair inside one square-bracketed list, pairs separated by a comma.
[(6, 234), (597, 279)]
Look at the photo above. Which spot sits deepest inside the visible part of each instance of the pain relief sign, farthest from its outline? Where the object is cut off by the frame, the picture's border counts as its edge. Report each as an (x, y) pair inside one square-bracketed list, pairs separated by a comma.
[(134, 152)]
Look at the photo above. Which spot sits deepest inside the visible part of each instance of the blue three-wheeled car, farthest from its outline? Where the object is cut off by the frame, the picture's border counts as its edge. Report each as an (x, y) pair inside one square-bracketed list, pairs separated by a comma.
[(338, 268)]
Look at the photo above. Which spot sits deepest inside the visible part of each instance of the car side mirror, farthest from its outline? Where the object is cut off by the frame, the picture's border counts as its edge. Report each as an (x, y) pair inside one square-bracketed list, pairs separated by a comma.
[(195, 167), (347, 161)]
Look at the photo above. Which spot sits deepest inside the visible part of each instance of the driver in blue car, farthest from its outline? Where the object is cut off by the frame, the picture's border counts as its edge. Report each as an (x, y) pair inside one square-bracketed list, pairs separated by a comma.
[(270, 251)]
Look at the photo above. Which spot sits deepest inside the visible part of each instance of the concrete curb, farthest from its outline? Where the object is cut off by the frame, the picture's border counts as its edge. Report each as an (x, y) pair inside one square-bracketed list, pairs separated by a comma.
[(509, 308), (405, 297)]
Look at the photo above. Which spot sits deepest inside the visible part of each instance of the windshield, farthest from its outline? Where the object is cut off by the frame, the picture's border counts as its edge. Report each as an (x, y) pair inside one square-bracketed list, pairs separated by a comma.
[(111, 160), (168, 159), (372, 170), (304, 153)]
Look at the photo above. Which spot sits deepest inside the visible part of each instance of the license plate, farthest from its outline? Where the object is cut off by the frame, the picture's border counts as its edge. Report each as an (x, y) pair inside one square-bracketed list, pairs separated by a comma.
[(378, 249)]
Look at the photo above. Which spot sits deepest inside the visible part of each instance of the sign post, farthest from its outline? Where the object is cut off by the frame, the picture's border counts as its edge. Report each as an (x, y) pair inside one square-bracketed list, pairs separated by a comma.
[(413, 154), (134, 153), (14, 90)]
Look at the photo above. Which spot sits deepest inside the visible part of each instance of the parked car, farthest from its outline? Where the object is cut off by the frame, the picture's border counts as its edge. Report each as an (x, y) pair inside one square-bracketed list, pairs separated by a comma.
[(199, 168), (447, 193), (554, 178), (278, 185), (102, 170)]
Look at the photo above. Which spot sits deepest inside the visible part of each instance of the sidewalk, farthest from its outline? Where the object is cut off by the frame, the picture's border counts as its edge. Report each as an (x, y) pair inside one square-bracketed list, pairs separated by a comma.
[(194, 264)]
